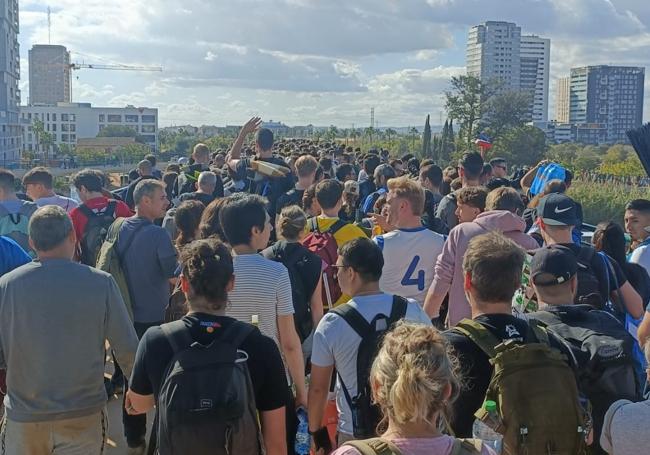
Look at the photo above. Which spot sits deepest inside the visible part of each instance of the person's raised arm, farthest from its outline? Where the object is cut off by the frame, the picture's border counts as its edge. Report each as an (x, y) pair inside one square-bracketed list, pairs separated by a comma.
[(527, 180), (234, 154)]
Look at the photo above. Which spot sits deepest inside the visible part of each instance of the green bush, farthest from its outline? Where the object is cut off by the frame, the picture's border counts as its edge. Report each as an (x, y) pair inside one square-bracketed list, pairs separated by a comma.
[(605, 201)]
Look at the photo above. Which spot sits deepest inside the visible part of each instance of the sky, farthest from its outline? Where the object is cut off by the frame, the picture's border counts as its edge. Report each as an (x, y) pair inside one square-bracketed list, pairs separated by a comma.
[(312, 61)]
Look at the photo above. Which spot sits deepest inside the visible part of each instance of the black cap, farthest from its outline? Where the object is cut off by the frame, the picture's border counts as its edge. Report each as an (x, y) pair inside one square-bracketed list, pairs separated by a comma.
[(557, 209), (553, 265)]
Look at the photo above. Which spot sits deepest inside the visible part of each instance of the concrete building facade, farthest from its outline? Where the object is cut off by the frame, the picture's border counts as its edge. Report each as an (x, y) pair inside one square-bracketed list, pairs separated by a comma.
[(493, 52), (10, 128), (562, 91), (68, 122), (535, 54), (49, 75), (498, 51), (608, 95)]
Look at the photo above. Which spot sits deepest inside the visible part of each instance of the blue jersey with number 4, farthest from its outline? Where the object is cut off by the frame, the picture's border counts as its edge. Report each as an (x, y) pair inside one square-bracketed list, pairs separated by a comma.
[(409, 259)]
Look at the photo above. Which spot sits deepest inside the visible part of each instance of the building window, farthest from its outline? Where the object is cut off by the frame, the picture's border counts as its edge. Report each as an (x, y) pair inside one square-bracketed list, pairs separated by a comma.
[(130, 118), (53, 126), (54, 117), (73, 138), (102, 118), (148, 119), (149, 139), (65, 127), (64, 117), (114, 118), (148, 128), (64, 138)]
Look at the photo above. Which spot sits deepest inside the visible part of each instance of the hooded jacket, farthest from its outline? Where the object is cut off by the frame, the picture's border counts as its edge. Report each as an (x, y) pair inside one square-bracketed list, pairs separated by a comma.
[(449, 271)]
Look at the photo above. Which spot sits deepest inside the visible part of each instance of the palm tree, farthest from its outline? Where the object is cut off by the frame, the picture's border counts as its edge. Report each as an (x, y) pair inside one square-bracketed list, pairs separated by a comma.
[(414, 133)]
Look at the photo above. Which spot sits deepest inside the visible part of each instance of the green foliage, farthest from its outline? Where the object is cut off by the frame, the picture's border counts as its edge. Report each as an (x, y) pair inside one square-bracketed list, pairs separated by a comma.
[(505, 111), (426, 139), (524, 145), (119, 131), (605, 201), (86, 155)]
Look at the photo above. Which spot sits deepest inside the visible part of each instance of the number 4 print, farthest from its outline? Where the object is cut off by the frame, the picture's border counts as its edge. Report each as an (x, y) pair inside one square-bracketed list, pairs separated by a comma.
[(408, 279)]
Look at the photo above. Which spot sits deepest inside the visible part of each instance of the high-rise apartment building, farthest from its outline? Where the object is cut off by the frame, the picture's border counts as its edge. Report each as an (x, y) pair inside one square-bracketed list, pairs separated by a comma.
[(535, 54), (562, 92), (49, 75), (10, 128), (493, 52), (608, 95), (497, 50)]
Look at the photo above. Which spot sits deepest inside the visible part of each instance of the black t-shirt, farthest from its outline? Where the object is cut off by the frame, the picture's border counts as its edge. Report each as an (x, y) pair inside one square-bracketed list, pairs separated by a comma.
[(606, 280), (269, 187), (639, 280), (291, 197), (475, 365), (196, 196), (308, 266), (264, 360)]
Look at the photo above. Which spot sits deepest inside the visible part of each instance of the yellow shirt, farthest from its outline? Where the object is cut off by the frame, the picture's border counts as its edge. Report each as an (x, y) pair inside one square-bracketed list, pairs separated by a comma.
[(344, 235)]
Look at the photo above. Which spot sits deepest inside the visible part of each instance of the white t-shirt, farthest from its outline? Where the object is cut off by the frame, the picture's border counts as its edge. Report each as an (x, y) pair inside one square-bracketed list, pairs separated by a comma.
[(336, 343), (65, 203), (262, 288), (409, 260), (641, 256)]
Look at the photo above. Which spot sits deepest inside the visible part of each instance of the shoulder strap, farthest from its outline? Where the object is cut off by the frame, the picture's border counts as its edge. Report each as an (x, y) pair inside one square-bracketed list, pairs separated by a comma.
[(110, 208), (114, 230), (467, 447), (398, 311), (178, 335), (313, 224), (481, 336), (585, 254), (539, 331), (375, 446), (237, 332), (354, 319), (336, 226), (86, 211)]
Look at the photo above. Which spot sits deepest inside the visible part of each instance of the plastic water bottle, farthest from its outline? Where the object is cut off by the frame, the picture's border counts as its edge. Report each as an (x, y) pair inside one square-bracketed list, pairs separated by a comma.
[(303, 440), (480, 430)]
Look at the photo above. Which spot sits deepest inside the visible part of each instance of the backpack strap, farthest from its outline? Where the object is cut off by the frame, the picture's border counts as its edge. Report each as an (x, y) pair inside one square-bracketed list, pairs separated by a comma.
[(481, 336), (585, 255), (178, 335), (374, 446), (313, 225), (539, 331), (398, 311), (110, 208), (338, 224), (467, 447)]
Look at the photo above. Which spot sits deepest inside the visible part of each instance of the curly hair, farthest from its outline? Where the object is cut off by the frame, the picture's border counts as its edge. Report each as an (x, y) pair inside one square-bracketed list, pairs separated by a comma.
[(207, 266), (187, 219), (412, 374)]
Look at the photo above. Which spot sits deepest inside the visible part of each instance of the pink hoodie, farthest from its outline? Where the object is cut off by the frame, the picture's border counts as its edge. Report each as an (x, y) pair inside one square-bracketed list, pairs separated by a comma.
[(449, 272)]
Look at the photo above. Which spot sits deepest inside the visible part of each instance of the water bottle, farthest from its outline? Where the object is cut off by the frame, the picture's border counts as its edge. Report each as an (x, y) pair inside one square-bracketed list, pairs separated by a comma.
[(484, 432), (303, 441)]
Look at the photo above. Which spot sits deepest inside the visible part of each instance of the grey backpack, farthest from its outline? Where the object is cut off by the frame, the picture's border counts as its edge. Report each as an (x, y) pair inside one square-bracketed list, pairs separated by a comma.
[(206, 403)]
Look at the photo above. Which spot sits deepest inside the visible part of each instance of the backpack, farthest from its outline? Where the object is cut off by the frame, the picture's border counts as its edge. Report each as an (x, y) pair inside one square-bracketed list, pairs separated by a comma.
[(15, 225), (95, 231), (605, 355), (366, 415), (324, 245), (110, 260), (206, 403), (535, 391), (379, 446), (588, 284), (301, 298)]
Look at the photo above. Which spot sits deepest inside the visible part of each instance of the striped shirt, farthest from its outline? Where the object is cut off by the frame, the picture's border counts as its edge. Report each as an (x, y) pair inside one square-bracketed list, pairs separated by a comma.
[(262, 288)]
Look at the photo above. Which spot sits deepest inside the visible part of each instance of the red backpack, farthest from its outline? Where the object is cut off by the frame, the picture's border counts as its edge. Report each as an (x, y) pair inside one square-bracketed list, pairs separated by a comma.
[(323, 244)]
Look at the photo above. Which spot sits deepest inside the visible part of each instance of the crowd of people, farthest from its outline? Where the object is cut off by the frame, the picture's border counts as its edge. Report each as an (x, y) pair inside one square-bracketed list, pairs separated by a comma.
[(283, 297)]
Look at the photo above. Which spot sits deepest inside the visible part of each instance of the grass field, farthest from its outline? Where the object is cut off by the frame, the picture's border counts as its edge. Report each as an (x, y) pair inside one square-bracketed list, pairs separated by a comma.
[(605, 201)]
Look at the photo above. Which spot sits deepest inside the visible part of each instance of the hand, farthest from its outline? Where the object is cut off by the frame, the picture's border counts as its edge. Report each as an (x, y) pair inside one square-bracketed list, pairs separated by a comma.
[(250, 126), (381, 221), (128, 405)]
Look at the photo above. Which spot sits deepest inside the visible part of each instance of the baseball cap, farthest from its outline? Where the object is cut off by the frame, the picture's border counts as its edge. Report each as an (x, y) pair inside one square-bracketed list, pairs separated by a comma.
[(553, 265), (557, 210), (351, 187)]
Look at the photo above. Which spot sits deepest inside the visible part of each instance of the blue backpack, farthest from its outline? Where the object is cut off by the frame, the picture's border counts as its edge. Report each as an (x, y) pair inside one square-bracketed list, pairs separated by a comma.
[(545, 174)]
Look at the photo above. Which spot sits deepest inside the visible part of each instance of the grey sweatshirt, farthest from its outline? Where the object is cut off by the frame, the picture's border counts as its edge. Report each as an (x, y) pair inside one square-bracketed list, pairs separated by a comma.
[(55, 316), (625, 428)]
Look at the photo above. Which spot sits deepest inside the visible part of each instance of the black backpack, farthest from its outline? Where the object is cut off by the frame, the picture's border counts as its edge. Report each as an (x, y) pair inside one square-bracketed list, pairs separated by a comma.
[(366, 415), (588, 284), (604, 351), (301, 298), (95, 231), (206, 403)]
